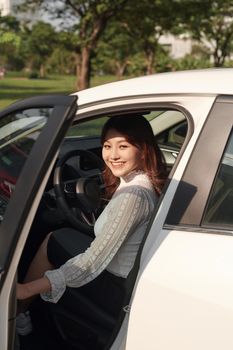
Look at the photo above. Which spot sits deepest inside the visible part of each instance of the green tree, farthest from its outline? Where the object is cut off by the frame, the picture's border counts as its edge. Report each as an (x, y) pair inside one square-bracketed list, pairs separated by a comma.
[(146, 22), (137, 31), (116, 49), (40, 43), (87, 19), (9, 37), (211, 22), (63, 58)]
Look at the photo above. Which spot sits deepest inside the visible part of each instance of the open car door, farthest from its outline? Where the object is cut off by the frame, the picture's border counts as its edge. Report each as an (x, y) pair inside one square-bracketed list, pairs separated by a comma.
[(30, 134)]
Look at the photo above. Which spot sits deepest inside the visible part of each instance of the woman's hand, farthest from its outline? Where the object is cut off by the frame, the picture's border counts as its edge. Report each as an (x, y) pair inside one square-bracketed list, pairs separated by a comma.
[(22, 291), (27, 290)]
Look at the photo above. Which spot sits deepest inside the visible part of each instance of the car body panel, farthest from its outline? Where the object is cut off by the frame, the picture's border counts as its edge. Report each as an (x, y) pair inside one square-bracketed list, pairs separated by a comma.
[(210, 82), (190, 304)]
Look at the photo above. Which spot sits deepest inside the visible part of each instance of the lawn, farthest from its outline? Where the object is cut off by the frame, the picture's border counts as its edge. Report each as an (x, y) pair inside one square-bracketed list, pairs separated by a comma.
[(14, 88)]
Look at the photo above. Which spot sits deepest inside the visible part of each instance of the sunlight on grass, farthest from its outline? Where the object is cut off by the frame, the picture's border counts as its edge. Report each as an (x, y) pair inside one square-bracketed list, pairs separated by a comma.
[(13, 89), (18, 88)]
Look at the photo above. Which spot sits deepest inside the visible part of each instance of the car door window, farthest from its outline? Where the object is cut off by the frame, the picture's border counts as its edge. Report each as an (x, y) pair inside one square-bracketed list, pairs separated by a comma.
[(88, 128), (18, 133), (219, 210), (174, 136)]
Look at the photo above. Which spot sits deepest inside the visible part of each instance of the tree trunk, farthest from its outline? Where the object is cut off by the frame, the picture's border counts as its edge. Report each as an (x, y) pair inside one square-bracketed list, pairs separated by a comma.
[(150, 58), (120, 69), (219, 58), (89, 33), (83, 68), (42, 71)]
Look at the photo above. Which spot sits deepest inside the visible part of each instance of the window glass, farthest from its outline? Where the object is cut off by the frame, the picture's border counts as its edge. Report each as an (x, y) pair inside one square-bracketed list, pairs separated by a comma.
[(219, 210), (173, 134), (18, 133), (88, 128)]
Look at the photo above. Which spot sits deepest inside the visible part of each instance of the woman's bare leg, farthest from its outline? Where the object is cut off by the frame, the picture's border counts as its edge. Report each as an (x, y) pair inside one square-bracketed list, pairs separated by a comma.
[(39, 265)]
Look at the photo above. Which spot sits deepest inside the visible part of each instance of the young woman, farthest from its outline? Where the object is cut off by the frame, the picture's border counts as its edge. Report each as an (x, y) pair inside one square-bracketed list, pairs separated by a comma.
[(134, 177)]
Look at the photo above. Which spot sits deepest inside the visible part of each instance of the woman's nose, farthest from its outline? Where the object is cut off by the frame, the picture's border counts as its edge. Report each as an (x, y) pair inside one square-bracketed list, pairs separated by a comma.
[(114, 153)]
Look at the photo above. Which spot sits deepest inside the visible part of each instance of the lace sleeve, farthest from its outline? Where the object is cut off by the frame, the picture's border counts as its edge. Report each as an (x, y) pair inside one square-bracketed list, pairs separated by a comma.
[(124, 212)]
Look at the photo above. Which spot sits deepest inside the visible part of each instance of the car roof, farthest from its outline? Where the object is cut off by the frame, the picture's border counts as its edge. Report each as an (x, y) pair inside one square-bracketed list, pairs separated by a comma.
[(213, 81)]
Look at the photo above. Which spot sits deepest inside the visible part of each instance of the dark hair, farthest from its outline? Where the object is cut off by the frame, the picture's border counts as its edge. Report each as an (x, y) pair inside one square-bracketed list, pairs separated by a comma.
[(139, 133)]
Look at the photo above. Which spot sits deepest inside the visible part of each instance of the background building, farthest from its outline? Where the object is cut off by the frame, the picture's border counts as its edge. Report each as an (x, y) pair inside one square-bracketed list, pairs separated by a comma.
[(176, 46), (7, 7)]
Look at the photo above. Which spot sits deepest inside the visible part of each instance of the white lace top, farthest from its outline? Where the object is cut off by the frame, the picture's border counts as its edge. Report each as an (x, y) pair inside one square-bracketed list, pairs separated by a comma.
[(118, 230)]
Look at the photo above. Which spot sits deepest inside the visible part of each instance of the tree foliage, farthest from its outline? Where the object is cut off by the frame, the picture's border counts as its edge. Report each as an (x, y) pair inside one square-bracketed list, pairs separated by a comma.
[(131, 41), (212, 26), (116, 49), (40, 44), (117, 36), (147, 22), (87, 19), (9, 37)]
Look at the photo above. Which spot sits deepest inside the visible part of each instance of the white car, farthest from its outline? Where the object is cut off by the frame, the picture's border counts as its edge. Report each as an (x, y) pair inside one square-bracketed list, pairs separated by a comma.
[(179, 294)]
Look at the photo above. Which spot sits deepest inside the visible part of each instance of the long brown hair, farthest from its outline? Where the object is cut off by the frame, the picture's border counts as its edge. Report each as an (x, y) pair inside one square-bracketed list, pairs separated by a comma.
[(137, 131)]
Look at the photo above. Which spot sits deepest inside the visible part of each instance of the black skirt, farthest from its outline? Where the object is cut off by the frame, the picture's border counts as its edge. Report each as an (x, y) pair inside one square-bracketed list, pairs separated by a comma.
[(65, 244), (106, 290)]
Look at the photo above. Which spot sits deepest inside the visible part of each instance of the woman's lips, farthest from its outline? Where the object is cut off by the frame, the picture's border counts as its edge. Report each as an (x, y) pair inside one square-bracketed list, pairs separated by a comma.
[(117, 164)]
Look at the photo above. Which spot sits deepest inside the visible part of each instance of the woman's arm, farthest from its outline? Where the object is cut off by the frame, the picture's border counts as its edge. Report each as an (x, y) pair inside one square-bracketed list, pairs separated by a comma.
[(127, 210)]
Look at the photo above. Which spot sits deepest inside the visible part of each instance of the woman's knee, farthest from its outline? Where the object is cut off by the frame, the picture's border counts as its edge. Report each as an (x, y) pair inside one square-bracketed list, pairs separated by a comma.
[(44, 246)]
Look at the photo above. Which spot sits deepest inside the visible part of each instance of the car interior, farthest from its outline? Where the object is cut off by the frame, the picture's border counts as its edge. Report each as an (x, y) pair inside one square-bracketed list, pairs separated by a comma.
[(73, 197)]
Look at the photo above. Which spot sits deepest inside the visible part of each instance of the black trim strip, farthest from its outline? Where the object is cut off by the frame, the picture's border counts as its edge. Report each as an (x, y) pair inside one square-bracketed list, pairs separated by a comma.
[(193, 190)]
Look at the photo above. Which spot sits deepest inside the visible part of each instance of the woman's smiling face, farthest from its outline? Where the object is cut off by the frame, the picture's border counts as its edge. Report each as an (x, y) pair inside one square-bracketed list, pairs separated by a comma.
[(119, 155)]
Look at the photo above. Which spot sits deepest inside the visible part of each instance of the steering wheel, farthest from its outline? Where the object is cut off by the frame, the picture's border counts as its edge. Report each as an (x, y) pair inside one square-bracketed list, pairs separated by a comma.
[(79, 197)]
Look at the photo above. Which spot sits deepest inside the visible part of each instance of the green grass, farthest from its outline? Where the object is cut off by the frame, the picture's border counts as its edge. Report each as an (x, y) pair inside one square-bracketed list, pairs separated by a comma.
[(14, 87)]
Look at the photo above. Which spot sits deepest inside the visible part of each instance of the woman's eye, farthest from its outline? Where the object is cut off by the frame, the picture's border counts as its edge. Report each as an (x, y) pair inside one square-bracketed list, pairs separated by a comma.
[(123, 146), (106, 147)]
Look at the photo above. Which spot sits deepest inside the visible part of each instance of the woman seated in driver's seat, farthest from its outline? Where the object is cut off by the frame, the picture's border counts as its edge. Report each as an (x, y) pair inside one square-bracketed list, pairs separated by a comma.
[(134, 176)]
